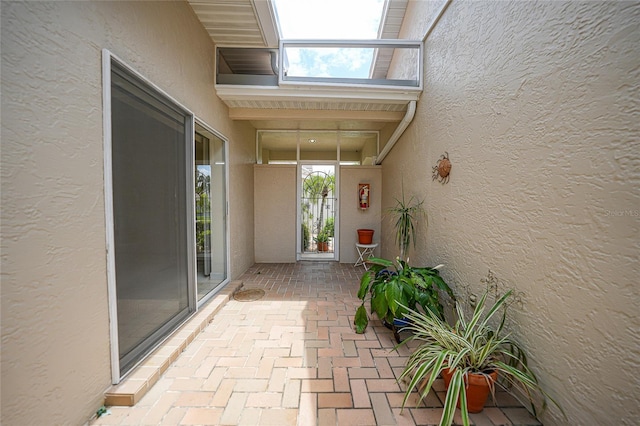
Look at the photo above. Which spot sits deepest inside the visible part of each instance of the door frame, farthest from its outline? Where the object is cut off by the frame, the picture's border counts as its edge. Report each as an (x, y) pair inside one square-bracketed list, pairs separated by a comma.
[(336, 224), (227, 232)]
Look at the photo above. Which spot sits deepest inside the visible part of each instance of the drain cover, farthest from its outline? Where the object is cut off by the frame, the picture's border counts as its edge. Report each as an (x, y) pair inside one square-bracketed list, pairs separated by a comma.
[(248, 295)]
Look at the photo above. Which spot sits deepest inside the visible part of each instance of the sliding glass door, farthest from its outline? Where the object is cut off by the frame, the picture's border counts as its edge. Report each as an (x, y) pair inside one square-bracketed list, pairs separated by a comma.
[(210, 200), (166, 191), (152, 214)]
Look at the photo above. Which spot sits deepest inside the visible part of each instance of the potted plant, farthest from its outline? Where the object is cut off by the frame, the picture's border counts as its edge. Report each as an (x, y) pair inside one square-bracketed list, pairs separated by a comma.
[(322, 240), (405, 213), (365, 236), (471, 355), (393, 291)]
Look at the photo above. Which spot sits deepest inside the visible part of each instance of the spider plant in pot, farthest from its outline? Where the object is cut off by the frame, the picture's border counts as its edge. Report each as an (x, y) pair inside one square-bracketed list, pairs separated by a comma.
[(393, 287), (471, 355)]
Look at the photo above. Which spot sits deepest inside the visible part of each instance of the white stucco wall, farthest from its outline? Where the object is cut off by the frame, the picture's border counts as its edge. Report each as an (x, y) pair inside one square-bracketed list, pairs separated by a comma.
[(55, 331), (352, 217), (275, 213), (537, 105)]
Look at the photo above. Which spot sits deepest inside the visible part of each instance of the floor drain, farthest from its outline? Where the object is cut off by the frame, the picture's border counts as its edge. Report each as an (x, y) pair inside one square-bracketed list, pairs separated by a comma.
[(248, 295)]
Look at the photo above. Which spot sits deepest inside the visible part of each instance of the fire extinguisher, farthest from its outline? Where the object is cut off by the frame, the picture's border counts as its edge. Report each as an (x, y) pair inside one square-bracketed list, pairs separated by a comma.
[(364, 196)]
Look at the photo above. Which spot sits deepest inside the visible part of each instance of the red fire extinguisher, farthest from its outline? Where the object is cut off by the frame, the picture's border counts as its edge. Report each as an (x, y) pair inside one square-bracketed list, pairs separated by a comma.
[(363, 195)]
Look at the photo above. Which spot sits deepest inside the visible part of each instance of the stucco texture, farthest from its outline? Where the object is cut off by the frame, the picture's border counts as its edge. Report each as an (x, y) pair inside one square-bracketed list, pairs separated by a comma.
[(537, 105), (352, 217), (275, 213), (55, 325)]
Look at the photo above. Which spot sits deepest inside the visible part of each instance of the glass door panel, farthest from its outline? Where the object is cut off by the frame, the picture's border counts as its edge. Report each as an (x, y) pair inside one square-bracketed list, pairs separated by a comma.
[(210, 198), (318, 206), (151, 215)]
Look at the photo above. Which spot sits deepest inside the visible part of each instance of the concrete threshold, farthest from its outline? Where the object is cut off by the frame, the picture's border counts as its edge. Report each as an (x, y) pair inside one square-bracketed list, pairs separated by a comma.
[(133, 387)]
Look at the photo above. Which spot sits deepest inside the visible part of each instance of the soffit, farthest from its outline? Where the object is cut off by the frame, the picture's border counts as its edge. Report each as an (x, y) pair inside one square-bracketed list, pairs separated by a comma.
[(313, 124), (392, 18), (234, 22)]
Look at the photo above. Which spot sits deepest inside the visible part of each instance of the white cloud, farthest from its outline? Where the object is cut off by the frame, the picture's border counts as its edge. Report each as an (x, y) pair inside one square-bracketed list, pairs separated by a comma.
[(329, 19), (329, 62)]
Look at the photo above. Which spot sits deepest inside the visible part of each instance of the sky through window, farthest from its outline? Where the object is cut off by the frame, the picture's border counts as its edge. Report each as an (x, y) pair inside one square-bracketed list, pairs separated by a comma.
[(329, 20)]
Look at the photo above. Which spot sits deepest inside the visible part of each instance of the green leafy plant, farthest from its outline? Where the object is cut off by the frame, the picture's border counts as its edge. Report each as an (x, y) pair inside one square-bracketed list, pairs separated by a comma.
[(329, 226), (305, 237), (392, 291), (102, 411), (467, 347), (406, 213), (322, 237)]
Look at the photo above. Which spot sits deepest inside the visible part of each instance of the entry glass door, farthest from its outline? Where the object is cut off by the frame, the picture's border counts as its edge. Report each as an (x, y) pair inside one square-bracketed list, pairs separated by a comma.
[(317, 211)]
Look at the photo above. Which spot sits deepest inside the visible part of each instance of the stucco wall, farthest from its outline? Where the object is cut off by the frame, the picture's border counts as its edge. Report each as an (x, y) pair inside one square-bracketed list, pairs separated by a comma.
[(275, 213), (537, 105), (352, 217), (55, 332)]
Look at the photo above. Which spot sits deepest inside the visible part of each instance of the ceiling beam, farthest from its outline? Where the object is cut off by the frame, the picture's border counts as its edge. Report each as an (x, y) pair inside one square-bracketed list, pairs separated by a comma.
[(307, 114)]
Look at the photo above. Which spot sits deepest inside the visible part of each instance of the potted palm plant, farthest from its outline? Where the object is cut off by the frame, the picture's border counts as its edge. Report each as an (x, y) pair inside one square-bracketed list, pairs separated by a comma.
[(470, 355), (393, 287), (322, 240)]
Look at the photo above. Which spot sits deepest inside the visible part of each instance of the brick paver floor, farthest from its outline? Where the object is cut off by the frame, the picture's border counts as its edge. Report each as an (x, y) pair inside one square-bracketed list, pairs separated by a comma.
[(293, 358)]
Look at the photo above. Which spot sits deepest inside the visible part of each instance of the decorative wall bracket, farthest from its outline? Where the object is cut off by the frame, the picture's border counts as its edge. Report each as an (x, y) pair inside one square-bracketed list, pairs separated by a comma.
[(442, 169)]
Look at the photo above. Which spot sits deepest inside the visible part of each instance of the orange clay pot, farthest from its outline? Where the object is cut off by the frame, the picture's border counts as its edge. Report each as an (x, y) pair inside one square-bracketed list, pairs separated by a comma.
[(477, 388), (323, 246), (365, 236)]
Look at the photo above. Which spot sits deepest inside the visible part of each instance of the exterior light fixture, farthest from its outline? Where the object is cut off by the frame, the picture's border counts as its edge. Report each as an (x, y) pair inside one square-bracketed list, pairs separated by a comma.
[(312, 140)]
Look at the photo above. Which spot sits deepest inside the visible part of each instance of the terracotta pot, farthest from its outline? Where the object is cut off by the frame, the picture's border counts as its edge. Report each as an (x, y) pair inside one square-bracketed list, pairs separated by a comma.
[(365, 236), (323, 246), (477, 388)]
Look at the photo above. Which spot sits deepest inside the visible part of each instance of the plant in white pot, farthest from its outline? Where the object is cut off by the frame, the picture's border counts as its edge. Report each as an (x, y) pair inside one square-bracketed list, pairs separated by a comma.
[(473, 353)]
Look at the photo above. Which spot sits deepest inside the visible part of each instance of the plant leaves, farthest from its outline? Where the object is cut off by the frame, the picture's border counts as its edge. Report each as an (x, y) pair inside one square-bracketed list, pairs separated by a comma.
[(364, 286), (361, 320), (379, 304), (394, 295)]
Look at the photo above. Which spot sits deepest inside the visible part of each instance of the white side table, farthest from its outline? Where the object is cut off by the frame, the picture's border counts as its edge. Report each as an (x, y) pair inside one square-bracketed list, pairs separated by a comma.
[(364, 252)]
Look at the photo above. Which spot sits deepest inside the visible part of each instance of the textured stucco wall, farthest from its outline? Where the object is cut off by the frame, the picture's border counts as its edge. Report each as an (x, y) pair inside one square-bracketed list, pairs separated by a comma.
[(275, 213), (537, 106), (55, 332), (352, 217)]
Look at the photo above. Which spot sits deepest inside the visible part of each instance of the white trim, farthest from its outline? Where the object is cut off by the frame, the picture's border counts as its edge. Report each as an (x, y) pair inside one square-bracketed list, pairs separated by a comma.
[(267, 22), (316, 92), (192, 274), (299, 248), (387, 43), (108, 205)]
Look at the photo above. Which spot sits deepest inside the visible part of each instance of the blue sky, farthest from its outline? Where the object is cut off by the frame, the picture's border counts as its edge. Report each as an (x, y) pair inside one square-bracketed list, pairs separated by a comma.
[(329, 19)]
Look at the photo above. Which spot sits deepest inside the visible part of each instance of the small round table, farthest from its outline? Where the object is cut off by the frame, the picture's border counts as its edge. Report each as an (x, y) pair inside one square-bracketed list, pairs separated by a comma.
[(364, 252)]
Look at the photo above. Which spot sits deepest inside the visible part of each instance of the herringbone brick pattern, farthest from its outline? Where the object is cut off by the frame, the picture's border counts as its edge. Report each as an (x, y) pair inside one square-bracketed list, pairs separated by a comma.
[(292, 358)]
